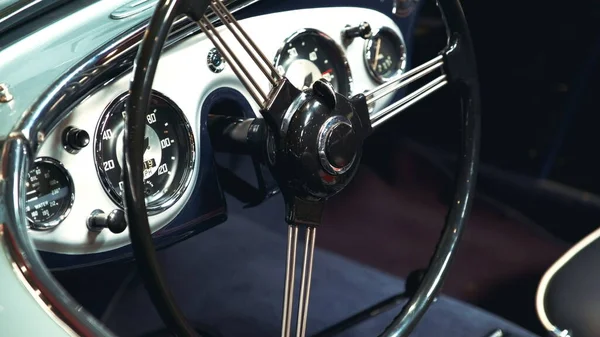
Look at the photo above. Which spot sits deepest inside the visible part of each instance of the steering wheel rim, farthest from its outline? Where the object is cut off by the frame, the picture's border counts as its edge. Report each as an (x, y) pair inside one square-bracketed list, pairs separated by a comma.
[(460, 69)]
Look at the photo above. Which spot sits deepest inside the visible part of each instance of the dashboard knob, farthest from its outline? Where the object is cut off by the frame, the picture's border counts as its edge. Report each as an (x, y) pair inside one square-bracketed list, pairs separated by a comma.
[(75, 139), (114, 221), (362, 30)]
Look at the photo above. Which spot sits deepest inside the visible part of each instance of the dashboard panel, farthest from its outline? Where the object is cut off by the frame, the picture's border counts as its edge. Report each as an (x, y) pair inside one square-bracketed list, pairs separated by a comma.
[(314, 46)]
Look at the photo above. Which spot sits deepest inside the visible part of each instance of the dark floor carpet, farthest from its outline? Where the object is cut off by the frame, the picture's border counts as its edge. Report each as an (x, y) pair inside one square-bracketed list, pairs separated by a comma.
[(394, 224), (230, 279)]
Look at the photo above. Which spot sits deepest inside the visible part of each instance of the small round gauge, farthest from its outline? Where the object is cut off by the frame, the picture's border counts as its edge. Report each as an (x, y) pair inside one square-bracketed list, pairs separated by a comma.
[(169, 151), (49, 194), (309, 55), (385, 54)]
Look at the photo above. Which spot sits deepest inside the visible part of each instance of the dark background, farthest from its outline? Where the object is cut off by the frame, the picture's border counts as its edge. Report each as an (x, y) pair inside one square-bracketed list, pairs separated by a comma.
[(538, 67)]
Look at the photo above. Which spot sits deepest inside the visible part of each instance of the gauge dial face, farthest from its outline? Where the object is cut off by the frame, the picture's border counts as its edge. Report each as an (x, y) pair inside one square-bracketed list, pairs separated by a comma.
[(50, 194), (168, 152), (385, 55), (310, 55)]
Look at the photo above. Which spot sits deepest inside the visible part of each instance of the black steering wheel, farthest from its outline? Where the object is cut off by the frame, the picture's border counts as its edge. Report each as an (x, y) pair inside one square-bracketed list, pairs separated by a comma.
[(312, 142)]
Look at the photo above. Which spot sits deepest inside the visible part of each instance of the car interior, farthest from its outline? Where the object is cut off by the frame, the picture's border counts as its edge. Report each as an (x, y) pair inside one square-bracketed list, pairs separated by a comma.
[(167, 165)]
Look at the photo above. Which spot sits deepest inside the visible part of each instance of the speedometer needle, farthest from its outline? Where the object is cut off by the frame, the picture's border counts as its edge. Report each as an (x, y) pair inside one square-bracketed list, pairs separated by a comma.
[(376, 53), (308, 80)]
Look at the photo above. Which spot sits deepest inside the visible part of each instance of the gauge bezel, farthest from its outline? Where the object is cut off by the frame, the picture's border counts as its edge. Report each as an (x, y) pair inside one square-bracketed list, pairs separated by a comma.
[(44, 226), (335, 46), (166, 201), (399, 41)]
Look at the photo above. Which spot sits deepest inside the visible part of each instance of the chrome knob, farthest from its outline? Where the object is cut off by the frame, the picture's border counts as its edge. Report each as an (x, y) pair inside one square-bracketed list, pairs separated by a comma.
[(362, 30)]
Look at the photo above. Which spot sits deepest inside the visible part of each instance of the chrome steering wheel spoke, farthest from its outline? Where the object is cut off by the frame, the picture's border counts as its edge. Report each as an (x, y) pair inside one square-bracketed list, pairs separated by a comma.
[(260, 96), (305, 281), (401, 81), (290, 280), (307, 267)]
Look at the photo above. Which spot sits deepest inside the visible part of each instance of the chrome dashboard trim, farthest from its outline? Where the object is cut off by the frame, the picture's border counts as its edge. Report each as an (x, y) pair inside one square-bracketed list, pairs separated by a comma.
[(23, 275), (15, 162), (20, 147)]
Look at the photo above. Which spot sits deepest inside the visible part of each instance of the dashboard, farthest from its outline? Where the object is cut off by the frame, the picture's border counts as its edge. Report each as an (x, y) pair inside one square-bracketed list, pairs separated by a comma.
[(73, 200)]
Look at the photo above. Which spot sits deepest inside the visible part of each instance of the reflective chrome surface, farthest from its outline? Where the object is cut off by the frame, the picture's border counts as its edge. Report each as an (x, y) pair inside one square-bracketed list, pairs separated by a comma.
[(543, 287), (110, 62), (15, 164), (324, 133), (215, 61), (290, 280), (189, 84), (20, 299), (19, 148), (306, 280)]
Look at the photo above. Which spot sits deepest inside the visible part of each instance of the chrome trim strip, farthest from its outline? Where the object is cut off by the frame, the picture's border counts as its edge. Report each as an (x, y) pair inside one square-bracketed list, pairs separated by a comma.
[(330, 124), (15, 164), (23, 276), (100, 68)]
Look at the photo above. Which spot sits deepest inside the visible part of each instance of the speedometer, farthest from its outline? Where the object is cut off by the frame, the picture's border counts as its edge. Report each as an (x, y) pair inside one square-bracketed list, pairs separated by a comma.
[(168, 151), (309, 55)]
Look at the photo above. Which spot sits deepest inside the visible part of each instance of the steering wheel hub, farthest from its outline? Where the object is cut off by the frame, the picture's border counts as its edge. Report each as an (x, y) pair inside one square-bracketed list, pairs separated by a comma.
[(322, 144)]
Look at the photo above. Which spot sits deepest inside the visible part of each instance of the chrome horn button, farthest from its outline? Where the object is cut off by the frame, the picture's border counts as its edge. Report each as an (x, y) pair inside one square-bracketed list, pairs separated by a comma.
[(337, 145)]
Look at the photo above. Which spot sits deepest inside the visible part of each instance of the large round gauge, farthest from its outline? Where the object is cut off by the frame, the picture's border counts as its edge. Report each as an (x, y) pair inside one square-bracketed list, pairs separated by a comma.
[(385, 54), (49, 194), (309, 55), (169, 151)]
